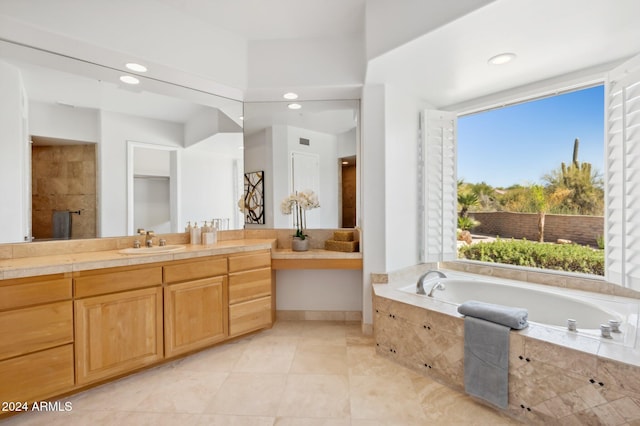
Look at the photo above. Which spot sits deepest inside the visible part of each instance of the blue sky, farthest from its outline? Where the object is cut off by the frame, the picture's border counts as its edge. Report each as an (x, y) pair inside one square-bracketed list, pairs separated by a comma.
[(521, 143)]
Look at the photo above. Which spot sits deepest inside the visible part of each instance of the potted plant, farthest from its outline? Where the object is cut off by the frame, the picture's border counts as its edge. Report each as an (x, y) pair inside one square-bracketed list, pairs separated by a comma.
[(298, 203)]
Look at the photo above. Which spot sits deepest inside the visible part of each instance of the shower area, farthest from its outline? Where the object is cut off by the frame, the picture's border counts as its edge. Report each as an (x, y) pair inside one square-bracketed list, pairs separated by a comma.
[(63, 189)]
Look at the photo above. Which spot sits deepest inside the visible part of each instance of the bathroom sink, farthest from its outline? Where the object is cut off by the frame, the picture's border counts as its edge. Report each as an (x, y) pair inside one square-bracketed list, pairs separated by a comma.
[(152, 250)]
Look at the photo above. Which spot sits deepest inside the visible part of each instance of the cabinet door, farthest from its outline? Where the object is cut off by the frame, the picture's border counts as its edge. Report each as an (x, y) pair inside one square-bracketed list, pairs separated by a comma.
[(117, 333), (195, 314)]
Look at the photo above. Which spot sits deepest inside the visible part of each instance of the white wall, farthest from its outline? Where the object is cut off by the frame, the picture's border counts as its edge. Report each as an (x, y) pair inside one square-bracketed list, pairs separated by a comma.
[(14, 179), (151, 162), (347, 143), (116, 130), (56, 121), (402, 111), (325, 145), (207, 186), (319, 290), (258, 156), (151, 205), (372, 164)]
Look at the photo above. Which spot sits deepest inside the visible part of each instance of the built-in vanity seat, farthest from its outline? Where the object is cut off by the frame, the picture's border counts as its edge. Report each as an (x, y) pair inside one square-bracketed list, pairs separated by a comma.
[(70, 321)]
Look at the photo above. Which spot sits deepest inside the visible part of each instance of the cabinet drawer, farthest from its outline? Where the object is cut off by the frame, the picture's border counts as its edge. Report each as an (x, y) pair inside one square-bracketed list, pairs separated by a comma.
[(37, 376), (249, 316), (195, 269), (249, 285), (93, 283), (250, 261), (32, 329), (27, 292)]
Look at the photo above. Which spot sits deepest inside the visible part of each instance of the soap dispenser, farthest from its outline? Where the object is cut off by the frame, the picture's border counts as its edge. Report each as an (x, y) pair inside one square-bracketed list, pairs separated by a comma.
[(195, 234), (207, 235)]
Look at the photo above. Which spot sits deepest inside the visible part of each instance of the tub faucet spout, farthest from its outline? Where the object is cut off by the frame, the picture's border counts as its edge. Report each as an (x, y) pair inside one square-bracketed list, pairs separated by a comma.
[(423, 277), (437, 286)]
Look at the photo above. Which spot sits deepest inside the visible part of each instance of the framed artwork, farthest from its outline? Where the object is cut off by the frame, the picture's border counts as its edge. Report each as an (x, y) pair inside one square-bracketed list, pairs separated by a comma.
[(254, 197)]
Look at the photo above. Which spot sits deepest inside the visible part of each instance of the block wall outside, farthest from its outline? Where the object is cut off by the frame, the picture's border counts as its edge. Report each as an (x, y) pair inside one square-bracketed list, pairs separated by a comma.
[(579, 229)]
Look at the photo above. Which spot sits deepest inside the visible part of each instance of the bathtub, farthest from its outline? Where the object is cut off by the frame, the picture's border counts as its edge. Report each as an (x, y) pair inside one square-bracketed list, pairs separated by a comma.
[(547, 306)]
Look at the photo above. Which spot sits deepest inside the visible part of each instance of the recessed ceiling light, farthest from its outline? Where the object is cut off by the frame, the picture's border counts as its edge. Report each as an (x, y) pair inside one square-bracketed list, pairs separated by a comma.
[(136, 67), (241, 118), (294, 106), (344, 163), (129, 79), (502, 58), (291, 96)]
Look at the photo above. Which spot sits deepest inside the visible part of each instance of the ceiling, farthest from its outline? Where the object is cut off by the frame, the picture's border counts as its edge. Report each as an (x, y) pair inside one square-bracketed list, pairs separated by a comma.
[(441, 57), (332, 117), (278, 19), (551, 38)]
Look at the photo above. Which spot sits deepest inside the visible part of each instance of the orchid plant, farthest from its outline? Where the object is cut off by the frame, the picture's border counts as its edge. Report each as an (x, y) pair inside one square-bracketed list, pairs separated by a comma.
[(298, 203)]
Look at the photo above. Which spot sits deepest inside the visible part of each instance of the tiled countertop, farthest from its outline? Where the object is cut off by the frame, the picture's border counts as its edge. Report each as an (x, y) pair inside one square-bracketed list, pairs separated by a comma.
[(70, 262)]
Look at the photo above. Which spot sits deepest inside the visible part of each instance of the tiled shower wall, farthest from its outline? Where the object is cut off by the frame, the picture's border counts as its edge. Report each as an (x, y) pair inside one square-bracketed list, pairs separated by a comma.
[(64, 178), (548, 384)]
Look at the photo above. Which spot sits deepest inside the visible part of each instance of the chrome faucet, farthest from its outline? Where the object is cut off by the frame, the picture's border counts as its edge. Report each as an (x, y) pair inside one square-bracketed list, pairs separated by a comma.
[(149, 239), (437, 286)]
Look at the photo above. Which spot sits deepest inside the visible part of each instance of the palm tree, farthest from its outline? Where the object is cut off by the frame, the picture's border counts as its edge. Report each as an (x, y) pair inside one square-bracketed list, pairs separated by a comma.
[(465, 201), (544, 200)]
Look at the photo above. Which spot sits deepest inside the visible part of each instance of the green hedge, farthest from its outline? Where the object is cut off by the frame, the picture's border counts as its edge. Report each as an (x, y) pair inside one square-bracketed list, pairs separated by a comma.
[(562, 257)]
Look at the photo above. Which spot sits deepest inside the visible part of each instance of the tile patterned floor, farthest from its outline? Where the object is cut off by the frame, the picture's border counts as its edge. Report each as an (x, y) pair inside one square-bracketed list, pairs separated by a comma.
[(300, 373)]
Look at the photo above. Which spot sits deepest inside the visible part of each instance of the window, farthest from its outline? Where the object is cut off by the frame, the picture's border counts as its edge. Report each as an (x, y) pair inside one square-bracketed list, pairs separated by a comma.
[(533, 172), (621, 179)]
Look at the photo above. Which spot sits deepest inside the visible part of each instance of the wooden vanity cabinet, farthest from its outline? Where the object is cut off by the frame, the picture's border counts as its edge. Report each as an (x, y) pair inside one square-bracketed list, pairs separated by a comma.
[(195, 304), (118, 324), (251, 294), (36, 348)]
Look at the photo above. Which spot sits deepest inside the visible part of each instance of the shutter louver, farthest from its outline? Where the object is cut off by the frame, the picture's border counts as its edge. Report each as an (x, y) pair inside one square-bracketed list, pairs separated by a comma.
[(439, 186), (622, 176)]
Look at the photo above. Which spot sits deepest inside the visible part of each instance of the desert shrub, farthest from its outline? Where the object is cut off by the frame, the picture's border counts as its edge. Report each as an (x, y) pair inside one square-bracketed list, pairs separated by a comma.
[(467, 223), (561, 257)]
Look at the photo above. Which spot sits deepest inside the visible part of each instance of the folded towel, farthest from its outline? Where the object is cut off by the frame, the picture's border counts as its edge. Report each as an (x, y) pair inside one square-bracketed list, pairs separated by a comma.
[(61, 224), (505, 315), (486, 361)]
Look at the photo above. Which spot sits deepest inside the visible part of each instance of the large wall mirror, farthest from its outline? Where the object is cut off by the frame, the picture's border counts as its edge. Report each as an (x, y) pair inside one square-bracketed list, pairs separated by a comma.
[(83, 155), (301, 146)]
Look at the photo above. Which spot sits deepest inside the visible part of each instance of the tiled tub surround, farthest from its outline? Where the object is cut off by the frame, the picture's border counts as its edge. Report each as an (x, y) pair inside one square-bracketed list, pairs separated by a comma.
[(555, 377)]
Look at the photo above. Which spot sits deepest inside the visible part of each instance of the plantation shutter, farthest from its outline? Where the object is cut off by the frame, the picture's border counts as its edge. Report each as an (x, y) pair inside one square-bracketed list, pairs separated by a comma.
[(622, 175), (437, 186)]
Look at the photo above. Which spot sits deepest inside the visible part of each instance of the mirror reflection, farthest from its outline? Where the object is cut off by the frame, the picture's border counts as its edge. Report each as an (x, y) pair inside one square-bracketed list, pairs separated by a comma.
[(312, 146), (84, 155)]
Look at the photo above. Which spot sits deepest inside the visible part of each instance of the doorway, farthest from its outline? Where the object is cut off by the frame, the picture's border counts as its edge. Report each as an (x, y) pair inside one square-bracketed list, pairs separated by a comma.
[(348, 191), (63, 189), (152, 188)]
